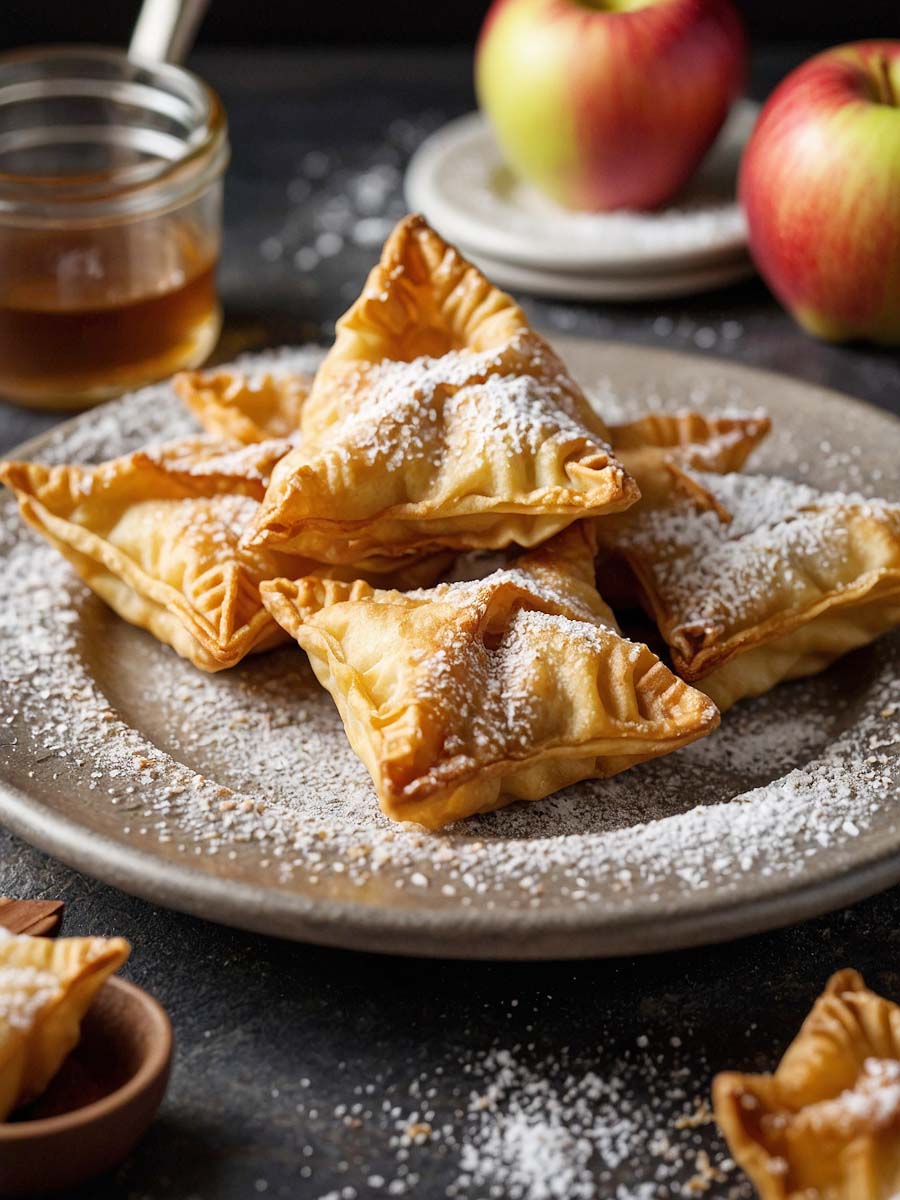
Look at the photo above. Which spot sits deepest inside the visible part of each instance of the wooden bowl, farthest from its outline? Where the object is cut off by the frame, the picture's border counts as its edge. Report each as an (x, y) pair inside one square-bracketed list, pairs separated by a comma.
[(101, 1101)]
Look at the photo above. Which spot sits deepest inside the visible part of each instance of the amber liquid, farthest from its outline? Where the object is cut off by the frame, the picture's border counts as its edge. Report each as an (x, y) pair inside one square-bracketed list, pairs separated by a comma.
[(83, 319)]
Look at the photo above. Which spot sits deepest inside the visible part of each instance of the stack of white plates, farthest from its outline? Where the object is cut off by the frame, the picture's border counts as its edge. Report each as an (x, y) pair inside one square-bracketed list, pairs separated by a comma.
[(524, 241)]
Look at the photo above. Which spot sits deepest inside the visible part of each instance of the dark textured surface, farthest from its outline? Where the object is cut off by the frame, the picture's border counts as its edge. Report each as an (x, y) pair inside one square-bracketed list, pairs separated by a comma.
[(255, 1018), (392, 22)]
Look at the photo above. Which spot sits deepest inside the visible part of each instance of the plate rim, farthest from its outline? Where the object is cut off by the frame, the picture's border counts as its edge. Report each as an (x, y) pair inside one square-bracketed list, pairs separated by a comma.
[(619, 289), (519, 935), (473, 935)]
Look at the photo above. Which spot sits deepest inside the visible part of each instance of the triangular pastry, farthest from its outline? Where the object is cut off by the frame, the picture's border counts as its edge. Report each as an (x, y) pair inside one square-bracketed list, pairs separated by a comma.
[(771, 581), (421, 301), (717, 442), (156, 534), (439, 419), (464, 697), (651, 448), (826, 1125), (46, 987), (242, 407)]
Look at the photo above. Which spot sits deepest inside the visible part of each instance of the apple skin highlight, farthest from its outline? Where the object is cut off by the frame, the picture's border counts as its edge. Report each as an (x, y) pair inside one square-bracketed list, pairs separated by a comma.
[(820, 183), (613, 107)]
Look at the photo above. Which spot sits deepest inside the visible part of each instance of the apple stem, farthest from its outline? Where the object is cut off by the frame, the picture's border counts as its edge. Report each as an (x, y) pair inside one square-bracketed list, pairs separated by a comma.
[(886, 86)]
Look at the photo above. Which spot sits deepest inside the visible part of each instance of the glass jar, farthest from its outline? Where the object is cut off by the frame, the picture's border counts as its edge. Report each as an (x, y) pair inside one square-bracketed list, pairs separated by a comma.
[(110, 223)]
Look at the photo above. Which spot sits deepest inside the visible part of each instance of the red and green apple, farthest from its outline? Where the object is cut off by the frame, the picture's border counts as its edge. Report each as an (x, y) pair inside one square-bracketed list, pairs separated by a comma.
[(820, 183), (608, 104)]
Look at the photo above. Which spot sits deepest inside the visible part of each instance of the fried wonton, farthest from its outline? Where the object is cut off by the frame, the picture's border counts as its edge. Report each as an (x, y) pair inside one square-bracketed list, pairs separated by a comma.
[(439, 419), (718, 442), (421, 302), (242, 407), (467, 696), (46, 987), (753, 580), (650, 447), (826, 1125), (155, 535)]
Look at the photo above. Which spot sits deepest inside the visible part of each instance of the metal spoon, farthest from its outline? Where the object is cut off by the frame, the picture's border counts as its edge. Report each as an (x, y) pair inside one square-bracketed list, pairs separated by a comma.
[(165, 29)]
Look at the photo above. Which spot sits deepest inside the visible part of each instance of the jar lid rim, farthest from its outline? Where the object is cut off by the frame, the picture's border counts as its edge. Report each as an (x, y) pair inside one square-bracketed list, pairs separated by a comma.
[(205, 147)]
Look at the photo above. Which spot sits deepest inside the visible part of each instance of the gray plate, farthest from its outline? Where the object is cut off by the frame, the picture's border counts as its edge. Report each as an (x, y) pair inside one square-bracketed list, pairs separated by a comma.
[(235, 796)]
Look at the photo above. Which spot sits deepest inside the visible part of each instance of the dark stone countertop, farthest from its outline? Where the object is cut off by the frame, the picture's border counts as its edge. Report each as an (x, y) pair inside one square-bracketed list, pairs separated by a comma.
[(273, 1037)]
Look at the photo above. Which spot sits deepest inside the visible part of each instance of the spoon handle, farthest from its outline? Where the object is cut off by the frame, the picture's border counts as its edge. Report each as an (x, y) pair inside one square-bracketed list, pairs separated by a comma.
[(165, 29)]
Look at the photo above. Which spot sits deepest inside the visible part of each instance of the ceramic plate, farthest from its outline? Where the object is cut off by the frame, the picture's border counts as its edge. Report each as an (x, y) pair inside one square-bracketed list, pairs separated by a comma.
[(622, 288), (236, 797), (458, 180)]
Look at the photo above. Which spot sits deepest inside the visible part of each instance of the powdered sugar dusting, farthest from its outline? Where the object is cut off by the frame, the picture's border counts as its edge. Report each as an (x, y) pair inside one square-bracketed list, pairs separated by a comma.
[(462, 403), (869, 1106), (783, 538), (486, 696), (24, 990), (247, 775)]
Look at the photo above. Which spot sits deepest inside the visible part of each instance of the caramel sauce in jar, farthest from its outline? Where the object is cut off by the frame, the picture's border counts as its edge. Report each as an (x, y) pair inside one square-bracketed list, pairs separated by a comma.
[(123, 319), (110, 224)]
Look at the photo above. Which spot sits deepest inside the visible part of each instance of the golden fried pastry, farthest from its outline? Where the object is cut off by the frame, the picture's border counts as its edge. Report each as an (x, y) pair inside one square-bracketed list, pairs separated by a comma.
[(155, 534), (210, 465), (464, 697), (422, 301), (46, 987), (439, 419), (650, 447), (753, 580), (826, 1125), (245, 408), (719, 442)]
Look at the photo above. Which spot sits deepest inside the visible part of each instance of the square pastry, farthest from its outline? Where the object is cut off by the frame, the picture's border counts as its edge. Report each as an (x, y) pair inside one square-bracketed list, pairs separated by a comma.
[(753, 580), (466, 696)]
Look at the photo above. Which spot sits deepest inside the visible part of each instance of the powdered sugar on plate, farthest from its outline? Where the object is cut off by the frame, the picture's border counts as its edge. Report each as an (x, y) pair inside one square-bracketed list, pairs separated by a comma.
[(244, 779)]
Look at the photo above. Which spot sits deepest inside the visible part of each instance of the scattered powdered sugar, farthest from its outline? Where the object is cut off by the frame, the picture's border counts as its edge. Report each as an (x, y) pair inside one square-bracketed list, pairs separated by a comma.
[(247, 775), (24, 992), (487, 695), (545, 586), (557, 1131), (528, 1125)]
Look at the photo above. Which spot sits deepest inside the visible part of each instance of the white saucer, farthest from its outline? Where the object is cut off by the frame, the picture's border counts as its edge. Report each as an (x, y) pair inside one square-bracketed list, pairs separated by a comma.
[(457, 178), (569, 286)]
